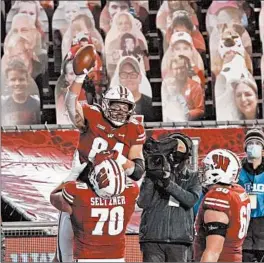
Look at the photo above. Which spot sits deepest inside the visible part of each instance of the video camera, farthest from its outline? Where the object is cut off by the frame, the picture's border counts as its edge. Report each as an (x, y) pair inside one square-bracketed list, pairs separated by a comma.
[(157, 152)]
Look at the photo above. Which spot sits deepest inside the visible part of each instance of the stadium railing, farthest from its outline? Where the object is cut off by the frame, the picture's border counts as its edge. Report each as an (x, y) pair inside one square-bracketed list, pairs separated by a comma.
[(147, 125)]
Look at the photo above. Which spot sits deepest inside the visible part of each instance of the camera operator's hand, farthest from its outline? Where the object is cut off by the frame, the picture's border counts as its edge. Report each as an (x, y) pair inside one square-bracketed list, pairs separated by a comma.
[(165, 179), (153, 175)]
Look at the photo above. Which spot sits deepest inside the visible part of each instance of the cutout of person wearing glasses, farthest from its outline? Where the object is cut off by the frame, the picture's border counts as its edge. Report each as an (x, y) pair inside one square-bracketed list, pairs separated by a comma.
[(129, 74)]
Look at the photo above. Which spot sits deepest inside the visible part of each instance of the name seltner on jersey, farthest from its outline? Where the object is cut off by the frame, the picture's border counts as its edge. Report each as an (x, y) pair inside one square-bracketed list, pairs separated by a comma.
[(235, 203), (101, 135), (99, 225)]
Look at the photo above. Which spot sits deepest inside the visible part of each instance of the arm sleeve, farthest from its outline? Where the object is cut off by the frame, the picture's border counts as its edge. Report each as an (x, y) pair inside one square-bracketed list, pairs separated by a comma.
[(189, 197), (139, 136), (69, 192), (146, 193), (217, 200)]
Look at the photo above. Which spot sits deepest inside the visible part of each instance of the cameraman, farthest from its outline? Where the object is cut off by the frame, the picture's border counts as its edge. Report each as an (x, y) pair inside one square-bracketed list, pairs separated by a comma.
[(167, 196)]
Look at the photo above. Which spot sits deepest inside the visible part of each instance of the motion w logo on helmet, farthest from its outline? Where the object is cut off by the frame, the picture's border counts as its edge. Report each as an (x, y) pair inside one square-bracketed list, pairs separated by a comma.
[(123, 92), (221, 162), (102, 179)]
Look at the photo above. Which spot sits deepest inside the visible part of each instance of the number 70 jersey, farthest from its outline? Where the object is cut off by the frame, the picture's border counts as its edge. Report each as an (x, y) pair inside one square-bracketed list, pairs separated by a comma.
[(99, 225), (235, 203), (102, 136)]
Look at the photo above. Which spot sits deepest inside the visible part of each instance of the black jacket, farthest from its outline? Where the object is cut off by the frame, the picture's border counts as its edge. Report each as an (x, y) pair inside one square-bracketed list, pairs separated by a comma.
[(161, 222), (249, 167)]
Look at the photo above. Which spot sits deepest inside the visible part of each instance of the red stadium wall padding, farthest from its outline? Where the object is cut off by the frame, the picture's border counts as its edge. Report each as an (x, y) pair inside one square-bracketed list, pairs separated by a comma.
[(35, 162), (42, 249), (210, 139)]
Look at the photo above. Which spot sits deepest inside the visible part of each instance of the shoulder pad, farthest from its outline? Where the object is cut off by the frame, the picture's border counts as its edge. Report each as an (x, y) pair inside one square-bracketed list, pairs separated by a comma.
[(95, 108), (134, 121), (218, 199), (81, 185)]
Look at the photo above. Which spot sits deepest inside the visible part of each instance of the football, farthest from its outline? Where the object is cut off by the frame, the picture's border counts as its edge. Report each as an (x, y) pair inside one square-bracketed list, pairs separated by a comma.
[(84, 60)]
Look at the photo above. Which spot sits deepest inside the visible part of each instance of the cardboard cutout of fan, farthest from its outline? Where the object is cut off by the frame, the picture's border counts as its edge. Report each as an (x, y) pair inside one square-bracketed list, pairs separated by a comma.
[(84, 60)]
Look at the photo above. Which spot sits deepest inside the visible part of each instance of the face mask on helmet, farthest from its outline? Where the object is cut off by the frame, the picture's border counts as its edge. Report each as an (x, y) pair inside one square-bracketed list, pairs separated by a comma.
[(108, 179), (118, 105), (202, 177), (119, 112)]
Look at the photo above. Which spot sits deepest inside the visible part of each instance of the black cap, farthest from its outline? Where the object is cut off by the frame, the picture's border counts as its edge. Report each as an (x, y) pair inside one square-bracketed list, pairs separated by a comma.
[(254, 134)]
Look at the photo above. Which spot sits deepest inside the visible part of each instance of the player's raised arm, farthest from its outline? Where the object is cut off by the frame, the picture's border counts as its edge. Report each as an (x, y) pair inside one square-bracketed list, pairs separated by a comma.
[(83, 62), (118, 106), (216, 225)]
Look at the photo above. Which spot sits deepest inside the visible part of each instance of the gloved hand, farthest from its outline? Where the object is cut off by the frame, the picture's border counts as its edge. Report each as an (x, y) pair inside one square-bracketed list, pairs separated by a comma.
[(164, 181)]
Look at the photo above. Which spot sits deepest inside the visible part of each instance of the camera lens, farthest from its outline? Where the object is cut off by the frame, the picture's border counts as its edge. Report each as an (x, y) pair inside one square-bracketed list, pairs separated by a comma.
[(157, 161)]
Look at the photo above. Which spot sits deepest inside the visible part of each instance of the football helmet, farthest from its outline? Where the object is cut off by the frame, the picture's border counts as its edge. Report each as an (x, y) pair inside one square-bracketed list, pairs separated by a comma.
[(122, 95), (220, 166), (108, 179)]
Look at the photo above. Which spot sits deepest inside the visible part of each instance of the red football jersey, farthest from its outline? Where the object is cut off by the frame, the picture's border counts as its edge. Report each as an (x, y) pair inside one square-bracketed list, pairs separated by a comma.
[(101, 135), (99, 225), (235, 202)]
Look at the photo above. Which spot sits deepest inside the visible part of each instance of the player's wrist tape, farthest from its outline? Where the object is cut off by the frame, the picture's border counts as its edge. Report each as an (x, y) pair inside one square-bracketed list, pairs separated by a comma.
[(121, 159), (80, 78)]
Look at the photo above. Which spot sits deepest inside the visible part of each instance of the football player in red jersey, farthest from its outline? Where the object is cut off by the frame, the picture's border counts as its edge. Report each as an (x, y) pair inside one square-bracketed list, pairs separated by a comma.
[(107, 132), (100, 207), (224, 214)]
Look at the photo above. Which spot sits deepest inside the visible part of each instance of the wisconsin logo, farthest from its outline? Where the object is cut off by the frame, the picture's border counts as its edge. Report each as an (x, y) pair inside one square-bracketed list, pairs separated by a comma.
[(221, 162), (102, 179)]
